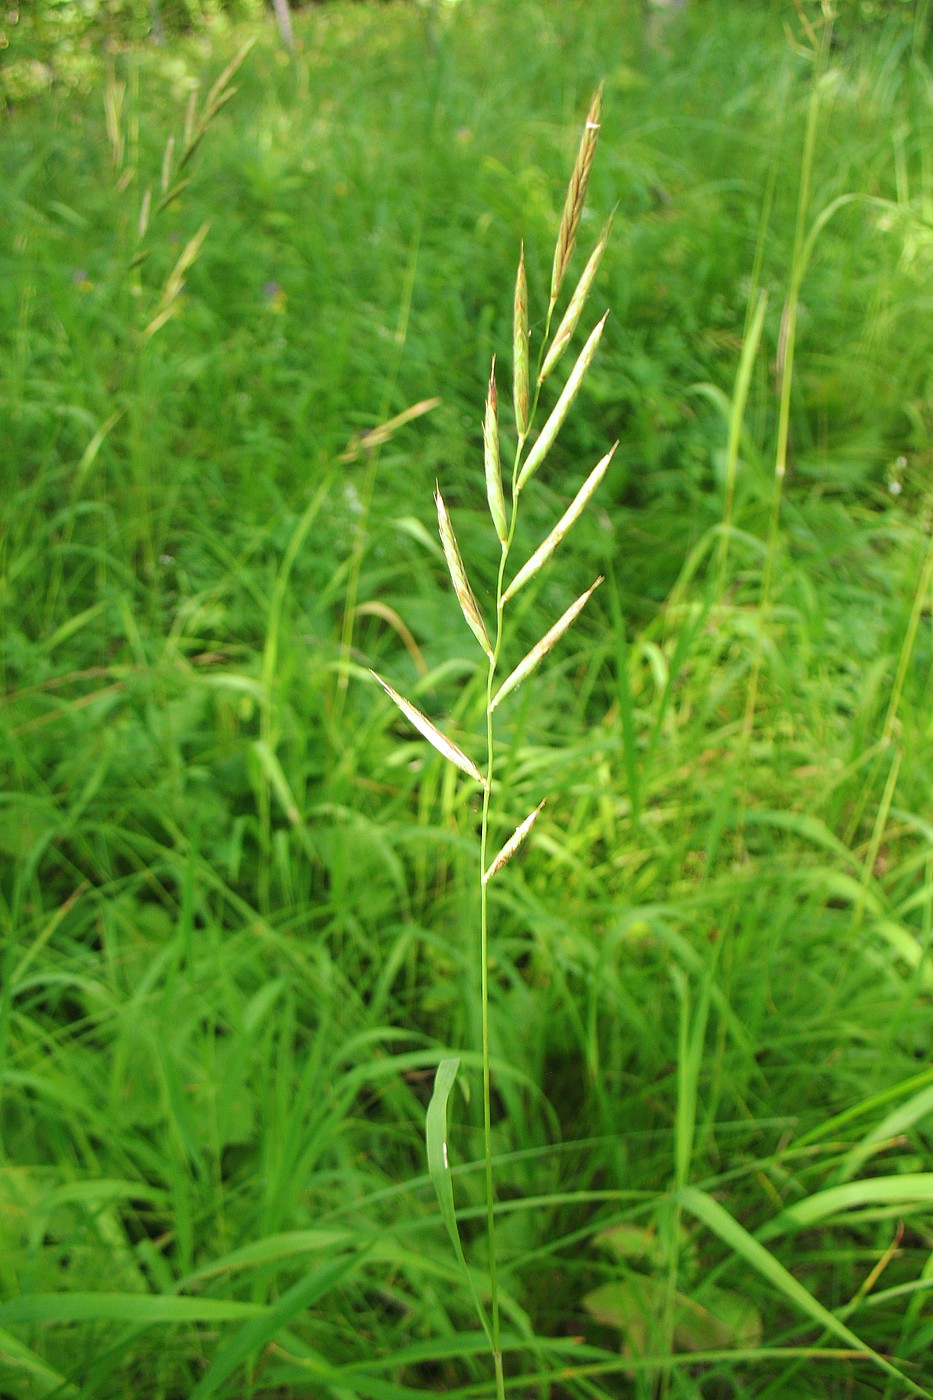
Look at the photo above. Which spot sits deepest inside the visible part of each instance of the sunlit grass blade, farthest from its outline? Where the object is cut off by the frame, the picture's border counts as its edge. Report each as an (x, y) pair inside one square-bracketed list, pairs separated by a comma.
[(525, 667), (435, 1134), (571, 316), (458, 578), (716, 1218), (570, 515), (514, 842), (545, 439), (916, 1108), (913, 1188), (444, 746)]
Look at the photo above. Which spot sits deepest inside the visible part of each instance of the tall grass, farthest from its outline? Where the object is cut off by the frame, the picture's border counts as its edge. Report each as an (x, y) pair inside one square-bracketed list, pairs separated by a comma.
[(238, 897)]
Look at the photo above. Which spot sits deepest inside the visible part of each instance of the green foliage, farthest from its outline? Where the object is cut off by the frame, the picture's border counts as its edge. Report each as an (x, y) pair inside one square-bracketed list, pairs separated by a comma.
[(237, 896)]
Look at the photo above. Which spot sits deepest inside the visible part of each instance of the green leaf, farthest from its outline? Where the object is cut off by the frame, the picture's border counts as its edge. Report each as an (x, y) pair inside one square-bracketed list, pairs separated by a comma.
[(435, 1133), (717, 1219), (260, 1330)]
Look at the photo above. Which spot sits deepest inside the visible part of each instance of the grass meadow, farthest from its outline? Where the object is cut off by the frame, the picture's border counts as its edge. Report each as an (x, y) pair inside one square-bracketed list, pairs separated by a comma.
[(243, 335)]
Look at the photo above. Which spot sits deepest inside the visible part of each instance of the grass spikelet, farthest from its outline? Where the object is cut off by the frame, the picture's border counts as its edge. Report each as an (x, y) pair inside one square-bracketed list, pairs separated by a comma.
[(571, 316), (545, 440), (458, 576), (520, 348), (514, 842), (494, 492), (538, 652), (429, 731), (570, 515), (576, 194)]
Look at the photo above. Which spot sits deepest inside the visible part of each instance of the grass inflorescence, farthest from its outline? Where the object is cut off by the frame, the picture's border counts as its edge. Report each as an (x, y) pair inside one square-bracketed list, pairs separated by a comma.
[(248, 320)]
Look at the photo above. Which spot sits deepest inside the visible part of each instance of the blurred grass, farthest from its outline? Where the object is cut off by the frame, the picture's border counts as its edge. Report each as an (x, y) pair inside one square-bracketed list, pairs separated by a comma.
[(235, 913)]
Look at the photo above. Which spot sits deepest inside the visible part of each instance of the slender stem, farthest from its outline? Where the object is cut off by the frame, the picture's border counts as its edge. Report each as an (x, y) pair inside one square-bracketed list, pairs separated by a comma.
[(484, 934), (495, 1327)]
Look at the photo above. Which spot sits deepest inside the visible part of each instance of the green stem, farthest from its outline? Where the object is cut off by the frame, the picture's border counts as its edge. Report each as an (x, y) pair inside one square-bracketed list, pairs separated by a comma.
[(484, 933)]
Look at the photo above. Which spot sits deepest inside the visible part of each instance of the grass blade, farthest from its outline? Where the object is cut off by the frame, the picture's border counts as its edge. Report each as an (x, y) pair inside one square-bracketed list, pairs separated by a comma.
[(435, 1135), (712, 1214), (913, 1188), (259, 1331)]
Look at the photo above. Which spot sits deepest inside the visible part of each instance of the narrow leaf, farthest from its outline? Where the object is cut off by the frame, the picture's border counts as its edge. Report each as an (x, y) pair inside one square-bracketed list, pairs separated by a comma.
[(570, 515), (435, 1134), (520, 347), (458, 576), (545, 439), (909, 1189), (575, 307), (255, 1335), (525, 667), (576, 194), (429, 732), (491, 455), (513, 843), (712, 1214)]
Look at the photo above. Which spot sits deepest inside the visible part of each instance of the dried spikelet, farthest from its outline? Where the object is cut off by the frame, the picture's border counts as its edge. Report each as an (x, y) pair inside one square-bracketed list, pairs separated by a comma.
[(575, 306), (430, 732), (513, 843), (525, 667), (520, 347), (491, 455), (458, 576), (576, 194), (545, 439), (569, 517)]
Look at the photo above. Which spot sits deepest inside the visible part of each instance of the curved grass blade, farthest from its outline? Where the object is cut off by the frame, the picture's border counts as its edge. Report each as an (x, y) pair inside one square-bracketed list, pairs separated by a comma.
[(525, 667), (433, 735), (455, 567), (435, 1136), (545, 439), (913, 1188), (917, 1107), (712, 1214), (569, 517)]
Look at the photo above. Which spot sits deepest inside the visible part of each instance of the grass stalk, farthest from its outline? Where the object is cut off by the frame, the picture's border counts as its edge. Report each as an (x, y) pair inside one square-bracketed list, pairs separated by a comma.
[(504, 523)]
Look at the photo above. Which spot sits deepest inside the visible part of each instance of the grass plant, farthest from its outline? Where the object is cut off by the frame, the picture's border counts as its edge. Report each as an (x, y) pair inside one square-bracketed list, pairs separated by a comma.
[(240, 900), (504, 517)]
